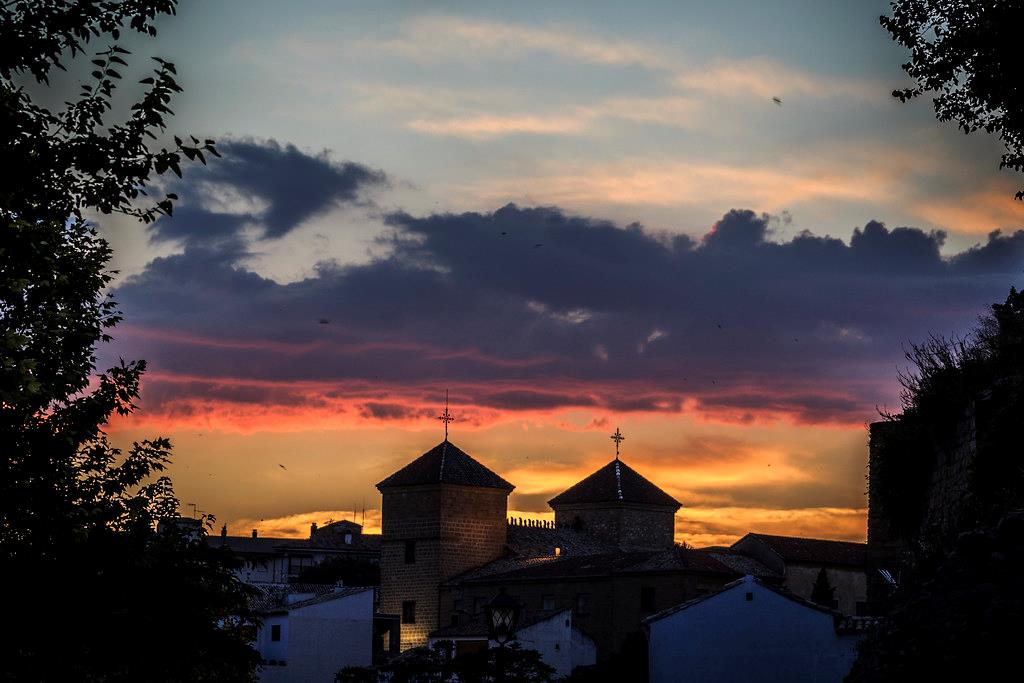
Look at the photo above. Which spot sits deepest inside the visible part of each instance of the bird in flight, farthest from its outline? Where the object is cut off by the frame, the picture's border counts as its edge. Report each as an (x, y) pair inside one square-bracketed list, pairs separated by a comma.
[(324, 321), (777, 100), (537, 245), (281, 466)]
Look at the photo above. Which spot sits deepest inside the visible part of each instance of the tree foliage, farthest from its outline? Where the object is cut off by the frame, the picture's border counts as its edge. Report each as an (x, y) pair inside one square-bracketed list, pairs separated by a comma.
[(823, 592), (961, 620), (968, 53), (101, 596), (436, 664), (958, 610)]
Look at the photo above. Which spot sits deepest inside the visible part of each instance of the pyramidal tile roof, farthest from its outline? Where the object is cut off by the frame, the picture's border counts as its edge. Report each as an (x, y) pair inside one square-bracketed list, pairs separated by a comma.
[(445, 463), (615, 482)]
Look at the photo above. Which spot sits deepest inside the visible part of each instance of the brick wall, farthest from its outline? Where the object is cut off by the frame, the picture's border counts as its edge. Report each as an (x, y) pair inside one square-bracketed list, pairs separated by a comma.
[(626, 525), (454, 528)]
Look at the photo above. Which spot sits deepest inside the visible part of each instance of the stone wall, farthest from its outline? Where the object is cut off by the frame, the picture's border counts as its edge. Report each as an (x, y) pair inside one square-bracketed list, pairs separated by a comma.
[(454, 529), (626, 525)]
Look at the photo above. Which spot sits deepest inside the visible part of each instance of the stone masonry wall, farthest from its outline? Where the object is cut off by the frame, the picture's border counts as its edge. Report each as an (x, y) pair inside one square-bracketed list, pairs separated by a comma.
[(473, 527), (414, 514), (629, 526), (455, 528)]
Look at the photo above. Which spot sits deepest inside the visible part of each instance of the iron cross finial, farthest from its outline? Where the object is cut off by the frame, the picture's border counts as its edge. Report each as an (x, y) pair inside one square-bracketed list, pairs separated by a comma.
[(446, 416), (618, 438)]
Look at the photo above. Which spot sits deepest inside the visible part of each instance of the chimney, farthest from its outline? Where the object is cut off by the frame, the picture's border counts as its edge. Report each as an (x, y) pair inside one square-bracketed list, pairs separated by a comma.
[(312, 530), (254, 533)]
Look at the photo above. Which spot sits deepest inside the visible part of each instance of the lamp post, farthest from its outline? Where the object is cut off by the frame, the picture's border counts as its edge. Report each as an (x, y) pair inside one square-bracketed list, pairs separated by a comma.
[(502, 618)]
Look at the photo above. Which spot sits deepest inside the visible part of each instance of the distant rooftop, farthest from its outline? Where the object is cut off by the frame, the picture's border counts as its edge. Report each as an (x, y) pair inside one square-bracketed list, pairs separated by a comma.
[(445, 463), (615, 482), (811, 550)]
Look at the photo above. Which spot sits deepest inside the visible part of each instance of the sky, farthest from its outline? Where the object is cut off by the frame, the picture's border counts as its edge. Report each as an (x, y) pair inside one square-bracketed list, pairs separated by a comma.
[(570, 217)]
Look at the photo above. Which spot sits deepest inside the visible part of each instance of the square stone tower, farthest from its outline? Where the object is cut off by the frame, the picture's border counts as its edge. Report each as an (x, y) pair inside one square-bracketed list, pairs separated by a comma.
[(442, 514), (617, 504)]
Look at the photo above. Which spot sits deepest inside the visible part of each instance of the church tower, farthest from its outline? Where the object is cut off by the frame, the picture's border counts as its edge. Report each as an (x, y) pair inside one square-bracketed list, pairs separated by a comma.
[(616, 503), (442, 514)]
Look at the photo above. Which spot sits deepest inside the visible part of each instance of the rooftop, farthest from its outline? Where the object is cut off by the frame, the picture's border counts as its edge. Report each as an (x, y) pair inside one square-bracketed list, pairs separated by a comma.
[(811, 550), (477, 626), (615, 482), (445, 463)]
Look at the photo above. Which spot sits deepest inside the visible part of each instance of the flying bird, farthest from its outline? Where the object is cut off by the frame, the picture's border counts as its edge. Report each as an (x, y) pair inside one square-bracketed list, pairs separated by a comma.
[(281, 466), (324, 321), (719, 325), (538, 245), (777, 100)]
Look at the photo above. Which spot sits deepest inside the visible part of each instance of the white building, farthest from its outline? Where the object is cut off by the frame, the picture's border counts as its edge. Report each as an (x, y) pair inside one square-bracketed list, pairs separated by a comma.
[(310, 633), (750, 631), (561, 644)]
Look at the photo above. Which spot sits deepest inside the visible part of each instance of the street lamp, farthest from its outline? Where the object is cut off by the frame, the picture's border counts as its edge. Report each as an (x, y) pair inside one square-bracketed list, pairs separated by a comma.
[(502, 618)]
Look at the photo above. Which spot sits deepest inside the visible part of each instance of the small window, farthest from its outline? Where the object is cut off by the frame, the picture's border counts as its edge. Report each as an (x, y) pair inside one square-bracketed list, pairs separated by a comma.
[(862, 609), (410, 552), (647, 599), (558, 647), (582, 604), (547, 602), (454, 621), (275, 632), (409, 612), (750, 597)]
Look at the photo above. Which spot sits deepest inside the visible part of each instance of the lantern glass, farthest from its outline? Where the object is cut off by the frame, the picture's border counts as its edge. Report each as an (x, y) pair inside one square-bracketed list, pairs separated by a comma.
[(502, 618)]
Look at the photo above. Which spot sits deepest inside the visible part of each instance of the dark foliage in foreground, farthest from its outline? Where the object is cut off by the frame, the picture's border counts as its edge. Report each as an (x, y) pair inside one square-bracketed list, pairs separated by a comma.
[(95, 592), (958, 612), (961, 620), (968, 53), (436, 665)]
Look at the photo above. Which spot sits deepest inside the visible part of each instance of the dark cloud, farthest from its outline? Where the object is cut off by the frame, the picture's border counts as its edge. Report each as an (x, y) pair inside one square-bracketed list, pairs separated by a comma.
[(597, 315), (289, 186)]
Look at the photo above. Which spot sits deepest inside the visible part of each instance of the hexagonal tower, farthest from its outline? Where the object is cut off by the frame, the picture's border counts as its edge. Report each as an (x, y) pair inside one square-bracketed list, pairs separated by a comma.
[(442, 514), (619, 505)]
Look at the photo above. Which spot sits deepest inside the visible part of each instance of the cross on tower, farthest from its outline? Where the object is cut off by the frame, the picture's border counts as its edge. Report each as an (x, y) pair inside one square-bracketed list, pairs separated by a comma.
[(618, 438), (446, 416)]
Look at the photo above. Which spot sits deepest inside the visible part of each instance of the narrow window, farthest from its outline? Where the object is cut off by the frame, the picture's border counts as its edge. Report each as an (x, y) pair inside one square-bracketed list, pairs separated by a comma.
[(409, 612), (547, 602), (647, 599), (410, 552), (750, 597), (275, 632), (582, 604)]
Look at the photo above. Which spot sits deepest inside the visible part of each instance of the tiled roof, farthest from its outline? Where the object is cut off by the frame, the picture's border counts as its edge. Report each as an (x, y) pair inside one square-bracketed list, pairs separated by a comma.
[(445, 463), (275, 597), (477, 626), (615, 482), (741, 564), (603, 564), (812, 550), (529, 541)]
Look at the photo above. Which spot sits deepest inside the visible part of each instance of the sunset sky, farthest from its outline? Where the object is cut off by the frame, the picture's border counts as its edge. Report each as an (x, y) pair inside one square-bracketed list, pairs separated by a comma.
[(573, 218)]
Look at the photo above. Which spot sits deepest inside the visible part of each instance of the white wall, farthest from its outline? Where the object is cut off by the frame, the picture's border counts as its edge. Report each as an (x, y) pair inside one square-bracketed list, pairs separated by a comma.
[(560, 646), (769, 639), (320, 639)]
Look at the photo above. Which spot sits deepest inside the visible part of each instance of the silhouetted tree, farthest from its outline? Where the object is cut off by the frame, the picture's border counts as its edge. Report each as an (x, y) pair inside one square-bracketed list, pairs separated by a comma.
[(437, 665), (959, 620), (968, 53), (958, 611), (823, 592), (100, 595)]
